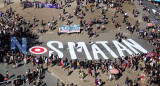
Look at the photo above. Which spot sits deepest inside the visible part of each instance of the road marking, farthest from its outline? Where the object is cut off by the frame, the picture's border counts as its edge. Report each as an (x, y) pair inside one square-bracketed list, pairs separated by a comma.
[(154, 11)]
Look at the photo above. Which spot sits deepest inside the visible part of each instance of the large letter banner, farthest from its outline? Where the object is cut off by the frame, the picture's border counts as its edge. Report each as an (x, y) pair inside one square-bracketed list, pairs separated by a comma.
[(14, 43)]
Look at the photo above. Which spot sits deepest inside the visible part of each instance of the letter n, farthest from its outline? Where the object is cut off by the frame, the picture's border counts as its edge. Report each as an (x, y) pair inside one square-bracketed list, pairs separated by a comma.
[(21, 48)]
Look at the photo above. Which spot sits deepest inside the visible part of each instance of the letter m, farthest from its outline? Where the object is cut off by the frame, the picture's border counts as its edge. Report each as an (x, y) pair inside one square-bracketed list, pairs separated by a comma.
[(21, 48)]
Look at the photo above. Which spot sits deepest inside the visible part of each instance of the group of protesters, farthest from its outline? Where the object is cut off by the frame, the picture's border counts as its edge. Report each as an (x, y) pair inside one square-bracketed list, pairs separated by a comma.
[(95, 68), (14, 25), (80, 14), (7, 2), (151, 67), (31, 76)]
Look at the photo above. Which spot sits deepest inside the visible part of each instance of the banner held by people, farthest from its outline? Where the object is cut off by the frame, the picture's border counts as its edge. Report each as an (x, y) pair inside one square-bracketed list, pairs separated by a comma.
[(69, 29)]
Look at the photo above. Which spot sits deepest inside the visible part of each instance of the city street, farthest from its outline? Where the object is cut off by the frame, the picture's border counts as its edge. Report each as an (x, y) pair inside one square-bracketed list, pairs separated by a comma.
[(79, 42), (151, 6)]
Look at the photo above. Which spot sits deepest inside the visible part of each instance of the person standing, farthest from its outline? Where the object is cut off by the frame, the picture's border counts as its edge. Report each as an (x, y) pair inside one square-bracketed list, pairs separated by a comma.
[(61, 2), (34, 24), (126, 81), (82, 75), (4, 2), (24, 79), (16, 63), (49, 24), (101, 4), (86, 3), (34, 83), (7, 74), (91, 10), (64, 11), (96, 81), (25, 60), (34, 5), (67, 71), (90, 72), (57, 84)]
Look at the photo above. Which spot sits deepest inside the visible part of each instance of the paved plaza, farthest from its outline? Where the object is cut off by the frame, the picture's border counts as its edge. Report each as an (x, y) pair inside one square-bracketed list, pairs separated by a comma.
[(98, 43)]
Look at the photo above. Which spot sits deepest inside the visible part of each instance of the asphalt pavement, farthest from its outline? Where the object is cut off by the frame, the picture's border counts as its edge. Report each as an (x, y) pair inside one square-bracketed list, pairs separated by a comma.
[(48, 80), (150, 6)]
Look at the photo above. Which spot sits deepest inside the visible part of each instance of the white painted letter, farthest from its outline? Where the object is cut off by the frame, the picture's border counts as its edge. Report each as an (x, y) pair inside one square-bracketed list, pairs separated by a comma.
[(107, 48), (120, 48), (60, 45), (81, 45), (135, 45), (71, 46), (97, 50)]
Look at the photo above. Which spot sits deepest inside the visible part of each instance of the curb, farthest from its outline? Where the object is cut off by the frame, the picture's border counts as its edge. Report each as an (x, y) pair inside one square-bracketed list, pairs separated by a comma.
[(57, 76)]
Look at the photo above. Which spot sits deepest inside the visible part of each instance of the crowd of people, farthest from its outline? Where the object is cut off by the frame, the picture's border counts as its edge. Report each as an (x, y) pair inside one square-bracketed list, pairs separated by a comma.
[(134, 62), (12, 24), (7, 2), (151, 67)]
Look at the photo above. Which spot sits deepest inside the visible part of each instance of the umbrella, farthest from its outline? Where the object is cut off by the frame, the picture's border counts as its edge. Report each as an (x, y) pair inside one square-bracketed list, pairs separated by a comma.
[(149, 24), (114, 71)]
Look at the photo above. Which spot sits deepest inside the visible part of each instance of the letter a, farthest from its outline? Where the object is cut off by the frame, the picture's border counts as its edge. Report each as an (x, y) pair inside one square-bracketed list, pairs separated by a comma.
[(107, 48), (121, 48), (97, 50)]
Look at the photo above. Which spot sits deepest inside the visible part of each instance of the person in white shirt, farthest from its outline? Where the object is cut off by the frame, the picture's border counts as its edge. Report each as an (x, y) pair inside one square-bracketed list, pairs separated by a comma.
[(49, 24)]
